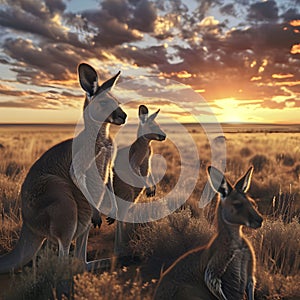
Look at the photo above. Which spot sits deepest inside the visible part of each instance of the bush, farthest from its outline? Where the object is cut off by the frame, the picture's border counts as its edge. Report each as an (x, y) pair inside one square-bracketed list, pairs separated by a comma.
[(285, 159), (111, 286), (51, 274), (180, 229), (245, 152), (259, 161), (288, 160), (277, 247), (13, 169)]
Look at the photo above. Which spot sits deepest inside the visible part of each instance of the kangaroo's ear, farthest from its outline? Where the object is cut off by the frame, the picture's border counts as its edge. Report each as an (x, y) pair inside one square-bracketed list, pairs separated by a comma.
[(110, 83), (88, 78), (218, 182), (153, 116), (143, 113), (243, 184)]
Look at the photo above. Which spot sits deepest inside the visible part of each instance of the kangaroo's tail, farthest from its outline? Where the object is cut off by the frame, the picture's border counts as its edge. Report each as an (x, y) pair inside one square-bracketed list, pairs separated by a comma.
[(28, 244)]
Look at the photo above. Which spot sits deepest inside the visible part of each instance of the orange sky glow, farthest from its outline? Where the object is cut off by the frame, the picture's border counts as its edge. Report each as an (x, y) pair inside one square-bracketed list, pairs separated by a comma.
[(242, 59)]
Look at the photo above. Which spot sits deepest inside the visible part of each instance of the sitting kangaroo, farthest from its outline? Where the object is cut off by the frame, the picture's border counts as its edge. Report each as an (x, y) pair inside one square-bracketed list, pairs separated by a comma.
[(53, 207), (133, 164), (223, 269)]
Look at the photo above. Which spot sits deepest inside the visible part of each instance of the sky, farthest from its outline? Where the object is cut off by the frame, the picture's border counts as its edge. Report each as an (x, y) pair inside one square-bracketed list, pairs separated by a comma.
[(242, 57)]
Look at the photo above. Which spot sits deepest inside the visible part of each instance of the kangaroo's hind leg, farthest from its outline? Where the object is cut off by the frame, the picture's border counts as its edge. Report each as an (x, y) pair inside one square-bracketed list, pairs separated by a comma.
[(60, 214), (63, 215), (81, 253)]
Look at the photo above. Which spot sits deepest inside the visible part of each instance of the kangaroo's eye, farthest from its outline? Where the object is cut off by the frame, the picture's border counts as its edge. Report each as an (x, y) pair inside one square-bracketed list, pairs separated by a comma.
[(238, 205)]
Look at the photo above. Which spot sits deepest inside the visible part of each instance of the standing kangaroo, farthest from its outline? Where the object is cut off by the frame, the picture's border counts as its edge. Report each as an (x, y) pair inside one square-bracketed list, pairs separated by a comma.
[(53, 207), (133, 164), (223, 269)]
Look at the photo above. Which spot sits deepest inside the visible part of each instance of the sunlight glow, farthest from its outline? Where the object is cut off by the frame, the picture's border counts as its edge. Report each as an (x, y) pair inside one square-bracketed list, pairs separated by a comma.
[(184, 74), (295, 49), (263, 65), (209, 21), (295, 23), (255, 78), (282, 76)]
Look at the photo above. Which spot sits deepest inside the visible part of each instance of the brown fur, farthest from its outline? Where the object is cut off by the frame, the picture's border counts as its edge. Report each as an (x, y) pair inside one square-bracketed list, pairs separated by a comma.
[(52, 205), (225, 267), (140, 153)]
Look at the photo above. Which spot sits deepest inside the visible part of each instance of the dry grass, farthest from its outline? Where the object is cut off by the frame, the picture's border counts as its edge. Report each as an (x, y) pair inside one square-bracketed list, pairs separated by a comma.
[(276, 182)]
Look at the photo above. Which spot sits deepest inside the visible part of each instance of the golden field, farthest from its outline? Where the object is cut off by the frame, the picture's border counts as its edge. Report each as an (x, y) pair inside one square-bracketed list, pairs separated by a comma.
[(273, 151)]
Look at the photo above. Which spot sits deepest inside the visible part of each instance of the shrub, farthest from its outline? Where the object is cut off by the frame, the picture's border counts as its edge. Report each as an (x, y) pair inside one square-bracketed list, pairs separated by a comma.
[(111, 286), (288, 160), (13, 169), (285, 159), (245, 152), (259, 161), (277, 246), (297, 171), (180, 229), (51, 274)]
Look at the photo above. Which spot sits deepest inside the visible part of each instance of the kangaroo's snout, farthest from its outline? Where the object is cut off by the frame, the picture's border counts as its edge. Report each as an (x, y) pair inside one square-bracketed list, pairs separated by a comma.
[(119, 116), (256, 222), (161, 137)]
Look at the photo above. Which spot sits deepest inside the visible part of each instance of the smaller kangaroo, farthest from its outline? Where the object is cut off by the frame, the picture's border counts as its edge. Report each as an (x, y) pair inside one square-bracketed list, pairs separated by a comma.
[(223, 269), (139, 156)]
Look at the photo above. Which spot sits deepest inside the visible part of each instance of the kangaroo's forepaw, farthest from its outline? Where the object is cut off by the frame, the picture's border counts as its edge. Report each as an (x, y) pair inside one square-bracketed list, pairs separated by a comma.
[(150, 191), (110, 220), (96, 220)]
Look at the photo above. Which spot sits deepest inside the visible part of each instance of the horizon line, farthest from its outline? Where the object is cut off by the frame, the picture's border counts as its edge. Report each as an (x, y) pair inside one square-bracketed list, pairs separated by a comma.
[(184, 123)]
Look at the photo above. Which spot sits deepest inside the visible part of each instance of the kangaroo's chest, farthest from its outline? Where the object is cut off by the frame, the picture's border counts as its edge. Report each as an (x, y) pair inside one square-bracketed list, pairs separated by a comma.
[(104, 158), (234, 280)]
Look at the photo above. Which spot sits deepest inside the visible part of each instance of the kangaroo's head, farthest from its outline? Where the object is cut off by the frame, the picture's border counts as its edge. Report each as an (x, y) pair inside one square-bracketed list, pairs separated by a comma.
[(235, 207), (148, 127), (101, 106)]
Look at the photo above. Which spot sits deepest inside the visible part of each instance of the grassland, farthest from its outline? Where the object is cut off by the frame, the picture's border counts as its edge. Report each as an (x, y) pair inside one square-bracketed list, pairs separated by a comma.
[(275, 154)]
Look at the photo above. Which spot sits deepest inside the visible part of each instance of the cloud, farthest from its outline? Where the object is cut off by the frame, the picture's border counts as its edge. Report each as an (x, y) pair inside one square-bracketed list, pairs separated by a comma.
[(111, 31), (55, 5), (43, 42), (44, 63), (228, 9), (142, 57), (263, 11), (289, 103), (291, 14), (144, 16), (35, 18), (48, 99)]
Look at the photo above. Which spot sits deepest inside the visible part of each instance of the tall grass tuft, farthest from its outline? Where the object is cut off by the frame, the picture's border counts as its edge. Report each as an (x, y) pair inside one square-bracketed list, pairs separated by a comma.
[(114, 285), (278, 247), (46, 280), (181, 231)]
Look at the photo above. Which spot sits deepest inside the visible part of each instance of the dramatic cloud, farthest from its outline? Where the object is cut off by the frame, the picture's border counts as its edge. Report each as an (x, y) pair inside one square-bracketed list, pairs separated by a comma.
[(228, 9), (263, 11), (248, 50)]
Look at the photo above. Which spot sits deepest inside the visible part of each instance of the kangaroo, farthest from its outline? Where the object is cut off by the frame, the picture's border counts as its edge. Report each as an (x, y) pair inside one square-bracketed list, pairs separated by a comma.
[(53, 207), (223, 269), (139, 157)]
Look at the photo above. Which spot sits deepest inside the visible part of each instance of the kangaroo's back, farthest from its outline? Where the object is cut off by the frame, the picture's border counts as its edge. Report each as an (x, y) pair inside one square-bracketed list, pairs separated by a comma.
[(184, 278), (56, 161)]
